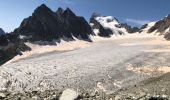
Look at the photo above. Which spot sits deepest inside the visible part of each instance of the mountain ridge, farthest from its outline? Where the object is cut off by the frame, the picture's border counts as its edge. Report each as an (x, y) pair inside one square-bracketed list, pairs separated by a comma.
[(63, 24), (160, 27), (44, 24)]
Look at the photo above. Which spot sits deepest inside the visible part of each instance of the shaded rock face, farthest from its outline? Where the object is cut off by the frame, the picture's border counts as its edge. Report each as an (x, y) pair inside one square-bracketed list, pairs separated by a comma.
[(161, 25), (144, 26), (129, 28), (44, 24), (75, 25), (3, 40), (1, 31), (105, 32), (10, 46), (167, 36)]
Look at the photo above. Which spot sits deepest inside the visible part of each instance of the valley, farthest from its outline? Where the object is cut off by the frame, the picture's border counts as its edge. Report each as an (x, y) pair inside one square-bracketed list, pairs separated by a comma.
[(58, 55), (111, 64)]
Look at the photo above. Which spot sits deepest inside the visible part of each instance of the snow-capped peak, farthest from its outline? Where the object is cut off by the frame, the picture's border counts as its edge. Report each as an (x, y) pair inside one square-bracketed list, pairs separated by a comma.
[(106, 26), (108, 22)]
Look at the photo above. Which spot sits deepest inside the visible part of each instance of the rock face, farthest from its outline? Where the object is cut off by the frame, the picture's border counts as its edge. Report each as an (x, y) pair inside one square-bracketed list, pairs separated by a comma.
[(3, 40), (10, 46), (160, 27), (129, 28), (44, 24), (167, 36), (146, 27), (106, 26), (1, 31)]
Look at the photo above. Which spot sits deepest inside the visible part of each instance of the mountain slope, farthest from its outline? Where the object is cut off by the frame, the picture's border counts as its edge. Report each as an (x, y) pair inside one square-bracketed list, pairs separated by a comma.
[(160, 27), (10, 46)]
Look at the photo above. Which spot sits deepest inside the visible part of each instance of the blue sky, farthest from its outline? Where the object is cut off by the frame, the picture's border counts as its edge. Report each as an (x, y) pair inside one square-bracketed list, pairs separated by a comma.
[(135, 12)]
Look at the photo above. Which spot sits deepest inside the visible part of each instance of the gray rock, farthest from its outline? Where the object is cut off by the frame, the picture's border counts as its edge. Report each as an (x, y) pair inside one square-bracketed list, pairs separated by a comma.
[(2, 95)]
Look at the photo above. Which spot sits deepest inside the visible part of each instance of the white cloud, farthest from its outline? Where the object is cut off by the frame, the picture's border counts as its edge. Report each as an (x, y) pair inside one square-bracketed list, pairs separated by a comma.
[(68, 2), (139, 22)]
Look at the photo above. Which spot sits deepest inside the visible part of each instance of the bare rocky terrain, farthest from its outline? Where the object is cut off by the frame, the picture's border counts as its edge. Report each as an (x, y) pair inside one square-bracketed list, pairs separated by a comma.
[(105, 67)]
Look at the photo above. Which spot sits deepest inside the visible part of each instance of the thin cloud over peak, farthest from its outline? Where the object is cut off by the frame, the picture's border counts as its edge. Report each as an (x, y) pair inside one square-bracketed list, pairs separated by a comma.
[(68, 2), (138, 22)]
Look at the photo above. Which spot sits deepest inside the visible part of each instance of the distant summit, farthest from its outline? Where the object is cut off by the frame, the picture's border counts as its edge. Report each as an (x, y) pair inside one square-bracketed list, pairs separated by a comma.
[(106, 26), (129, 28), (44, 24)]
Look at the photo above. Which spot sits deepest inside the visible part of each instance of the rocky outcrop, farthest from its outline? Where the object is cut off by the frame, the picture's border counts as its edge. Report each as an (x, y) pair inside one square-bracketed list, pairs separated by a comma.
[(3, 40), (106, 26), (10, 46), (1, 31), (46, 25), (161, 26), (146, 27), (167, 36), (129, 28), (104, 32)]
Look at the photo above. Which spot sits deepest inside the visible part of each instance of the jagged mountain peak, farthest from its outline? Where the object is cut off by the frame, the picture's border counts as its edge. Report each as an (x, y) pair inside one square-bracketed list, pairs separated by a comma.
[(42, 9), (43, 6), (44, 24), (68, 12)]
